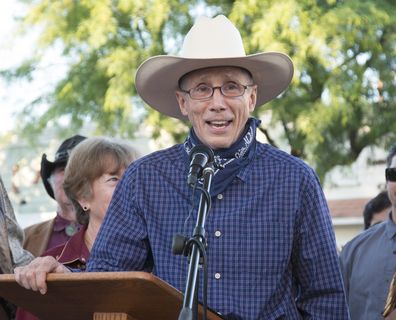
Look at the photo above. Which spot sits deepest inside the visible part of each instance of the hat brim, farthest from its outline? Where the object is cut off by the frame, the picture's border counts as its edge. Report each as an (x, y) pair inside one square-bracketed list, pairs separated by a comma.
[(47, 167), (157, 78)]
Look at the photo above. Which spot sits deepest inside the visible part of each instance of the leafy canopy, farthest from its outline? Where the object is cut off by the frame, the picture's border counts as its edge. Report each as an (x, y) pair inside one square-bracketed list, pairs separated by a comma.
[(341, 100)]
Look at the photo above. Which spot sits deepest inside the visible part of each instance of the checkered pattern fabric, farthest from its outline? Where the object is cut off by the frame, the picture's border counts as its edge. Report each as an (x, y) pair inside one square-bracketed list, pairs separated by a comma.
[(271, 247)]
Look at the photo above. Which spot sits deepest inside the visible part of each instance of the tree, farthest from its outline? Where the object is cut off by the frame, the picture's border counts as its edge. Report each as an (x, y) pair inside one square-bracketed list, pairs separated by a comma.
[(103, 42), (341, 99)]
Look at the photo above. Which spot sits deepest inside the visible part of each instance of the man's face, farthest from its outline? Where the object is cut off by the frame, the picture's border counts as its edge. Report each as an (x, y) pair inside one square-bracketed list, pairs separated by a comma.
[(56, 181), (218, 121), (391, 186)]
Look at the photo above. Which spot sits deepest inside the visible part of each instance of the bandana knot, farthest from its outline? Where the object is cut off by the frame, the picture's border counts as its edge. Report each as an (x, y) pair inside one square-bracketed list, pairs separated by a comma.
[(229, 161)]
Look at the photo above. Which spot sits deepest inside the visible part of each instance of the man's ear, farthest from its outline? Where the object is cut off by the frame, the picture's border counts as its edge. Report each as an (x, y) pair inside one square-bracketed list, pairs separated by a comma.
[(181, 99), (253, 98)]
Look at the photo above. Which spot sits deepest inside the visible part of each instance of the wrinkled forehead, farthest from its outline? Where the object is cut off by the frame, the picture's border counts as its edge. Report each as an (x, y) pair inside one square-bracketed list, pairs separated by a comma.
[(226, 73)]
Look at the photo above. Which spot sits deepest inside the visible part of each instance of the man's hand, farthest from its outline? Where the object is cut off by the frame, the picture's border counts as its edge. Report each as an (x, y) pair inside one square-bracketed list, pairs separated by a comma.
[(33, 276)]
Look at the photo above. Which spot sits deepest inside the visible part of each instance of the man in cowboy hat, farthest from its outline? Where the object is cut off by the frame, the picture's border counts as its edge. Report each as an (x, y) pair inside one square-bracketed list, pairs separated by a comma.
[(48, 234), (271, 250)]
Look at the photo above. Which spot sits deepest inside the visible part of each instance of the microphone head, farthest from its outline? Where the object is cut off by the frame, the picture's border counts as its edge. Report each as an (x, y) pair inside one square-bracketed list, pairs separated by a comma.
[(200, 156), (201, 148)]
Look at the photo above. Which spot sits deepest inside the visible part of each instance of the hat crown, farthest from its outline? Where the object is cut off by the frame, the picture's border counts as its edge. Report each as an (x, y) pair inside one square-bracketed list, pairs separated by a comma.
[(61, 157), (65, 148), (220, 37), (211, 42)]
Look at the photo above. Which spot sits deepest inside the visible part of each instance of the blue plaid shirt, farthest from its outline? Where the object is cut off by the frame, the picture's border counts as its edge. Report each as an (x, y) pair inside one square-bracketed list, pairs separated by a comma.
[(271, 247)]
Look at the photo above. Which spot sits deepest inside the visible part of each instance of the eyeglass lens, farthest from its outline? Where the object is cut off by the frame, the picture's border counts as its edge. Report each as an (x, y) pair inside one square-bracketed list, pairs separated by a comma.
[(229, 89)]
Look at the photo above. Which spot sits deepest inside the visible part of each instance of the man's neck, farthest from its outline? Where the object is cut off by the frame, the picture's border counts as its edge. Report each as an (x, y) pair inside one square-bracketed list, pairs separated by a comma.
[(66, 213)]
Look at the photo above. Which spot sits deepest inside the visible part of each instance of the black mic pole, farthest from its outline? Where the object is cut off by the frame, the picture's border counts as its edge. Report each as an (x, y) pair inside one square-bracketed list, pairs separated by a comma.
[(199, 235)]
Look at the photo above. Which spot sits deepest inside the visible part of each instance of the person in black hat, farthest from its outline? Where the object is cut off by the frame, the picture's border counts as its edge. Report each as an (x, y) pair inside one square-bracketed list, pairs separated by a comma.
[(48, 234)]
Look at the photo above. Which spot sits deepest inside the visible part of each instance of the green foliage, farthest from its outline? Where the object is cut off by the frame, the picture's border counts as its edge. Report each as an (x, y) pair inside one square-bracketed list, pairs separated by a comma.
[(343, 93), (341, 100), (103, 43)]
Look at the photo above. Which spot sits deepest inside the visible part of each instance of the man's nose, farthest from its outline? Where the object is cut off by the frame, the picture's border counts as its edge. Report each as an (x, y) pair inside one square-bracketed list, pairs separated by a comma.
[(218, 102)]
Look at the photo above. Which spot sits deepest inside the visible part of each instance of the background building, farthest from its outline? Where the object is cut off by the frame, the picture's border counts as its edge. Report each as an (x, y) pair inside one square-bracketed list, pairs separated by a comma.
[(348, 189)]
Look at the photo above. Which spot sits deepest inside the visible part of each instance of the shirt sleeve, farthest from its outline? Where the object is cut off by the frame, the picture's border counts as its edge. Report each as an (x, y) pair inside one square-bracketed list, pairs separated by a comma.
[(345, 259), (320, 293), (12, 235), (122, 242)]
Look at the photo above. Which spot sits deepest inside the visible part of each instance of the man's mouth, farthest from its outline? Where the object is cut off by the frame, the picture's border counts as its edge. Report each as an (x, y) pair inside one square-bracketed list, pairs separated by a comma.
[(219, 123)]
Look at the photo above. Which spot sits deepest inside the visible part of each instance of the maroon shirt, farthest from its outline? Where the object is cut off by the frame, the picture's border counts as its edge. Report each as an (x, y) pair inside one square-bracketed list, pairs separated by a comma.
[(63, 230), (74, 253)]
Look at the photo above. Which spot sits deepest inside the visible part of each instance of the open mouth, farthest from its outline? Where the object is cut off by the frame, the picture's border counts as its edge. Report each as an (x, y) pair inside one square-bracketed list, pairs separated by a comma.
[(219, 123)]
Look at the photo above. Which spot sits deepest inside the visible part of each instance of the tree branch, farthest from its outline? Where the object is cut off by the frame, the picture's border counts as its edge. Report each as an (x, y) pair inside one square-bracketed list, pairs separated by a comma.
[(267, 135)]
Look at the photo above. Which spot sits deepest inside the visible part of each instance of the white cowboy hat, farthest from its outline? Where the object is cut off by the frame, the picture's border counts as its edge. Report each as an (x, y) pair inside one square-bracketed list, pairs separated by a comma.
[(210, 43)]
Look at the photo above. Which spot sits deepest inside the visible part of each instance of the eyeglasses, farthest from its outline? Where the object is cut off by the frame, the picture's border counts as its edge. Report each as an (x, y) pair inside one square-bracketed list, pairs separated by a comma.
[(228, 89), (390, 174)]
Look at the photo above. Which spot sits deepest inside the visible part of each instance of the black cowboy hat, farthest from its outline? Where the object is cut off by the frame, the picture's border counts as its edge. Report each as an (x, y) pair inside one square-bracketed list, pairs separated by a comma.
[(61, 157)]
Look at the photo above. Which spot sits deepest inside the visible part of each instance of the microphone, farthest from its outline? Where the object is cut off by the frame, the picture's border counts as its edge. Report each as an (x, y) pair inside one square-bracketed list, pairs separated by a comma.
[(200, 156)]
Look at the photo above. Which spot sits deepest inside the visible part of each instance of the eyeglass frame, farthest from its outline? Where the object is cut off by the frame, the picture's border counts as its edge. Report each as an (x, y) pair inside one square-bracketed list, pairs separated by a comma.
[(390, 174), (245, 87)]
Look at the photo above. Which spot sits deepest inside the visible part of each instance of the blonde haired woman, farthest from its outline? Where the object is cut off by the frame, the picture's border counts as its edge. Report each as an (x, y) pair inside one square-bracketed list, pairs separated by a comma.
[(95, 166)]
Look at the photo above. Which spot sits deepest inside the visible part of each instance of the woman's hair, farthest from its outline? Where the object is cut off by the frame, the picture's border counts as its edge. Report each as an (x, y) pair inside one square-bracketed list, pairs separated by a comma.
[(391, 300), (88, 161)]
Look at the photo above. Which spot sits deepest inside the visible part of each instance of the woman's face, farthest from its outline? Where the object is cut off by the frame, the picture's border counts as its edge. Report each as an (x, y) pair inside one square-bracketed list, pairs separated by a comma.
[(102, 191)]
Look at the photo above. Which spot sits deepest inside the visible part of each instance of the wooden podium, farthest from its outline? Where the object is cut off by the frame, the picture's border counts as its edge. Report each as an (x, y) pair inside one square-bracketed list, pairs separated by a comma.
[(99, 296)]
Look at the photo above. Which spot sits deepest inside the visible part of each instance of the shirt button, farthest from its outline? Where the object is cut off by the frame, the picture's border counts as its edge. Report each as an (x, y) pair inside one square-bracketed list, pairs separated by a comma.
[(217, 276), (220, 196), (217, 233)]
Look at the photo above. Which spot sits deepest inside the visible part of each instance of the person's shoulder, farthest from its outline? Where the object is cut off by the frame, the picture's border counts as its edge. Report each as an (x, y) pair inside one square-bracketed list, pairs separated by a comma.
[(37, 235), (39, 226), (170, 156), (169, 153), (271, 155), (364, 237)]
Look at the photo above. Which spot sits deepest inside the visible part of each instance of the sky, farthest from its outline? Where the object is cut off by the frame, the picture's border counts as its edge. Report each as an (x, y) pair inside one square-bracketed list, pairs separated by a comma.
[(14, 48)]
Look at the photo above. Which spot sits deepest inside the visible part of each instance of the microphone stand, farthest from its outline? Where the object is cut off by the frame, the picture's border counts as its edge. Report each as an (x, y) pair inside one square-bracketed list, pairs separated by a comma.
[(197, 244)]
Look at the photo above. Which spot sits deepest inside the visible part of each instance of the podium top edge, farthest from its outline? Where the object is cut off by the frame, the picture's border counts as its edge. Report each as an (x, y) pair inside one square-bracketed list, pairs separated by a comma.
[(91, 276)]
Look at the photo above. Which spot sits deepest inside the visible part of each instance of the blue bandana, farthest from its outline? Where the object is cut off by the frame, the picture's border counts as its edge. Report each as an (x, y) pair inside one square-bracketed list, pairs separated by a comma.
[(229, 161)]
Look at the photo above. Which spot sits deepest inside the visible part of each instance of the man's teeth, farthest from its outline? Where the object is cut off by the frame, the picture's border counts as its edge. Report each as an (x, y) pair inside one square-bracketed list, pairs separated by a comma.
[(218, 123)]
